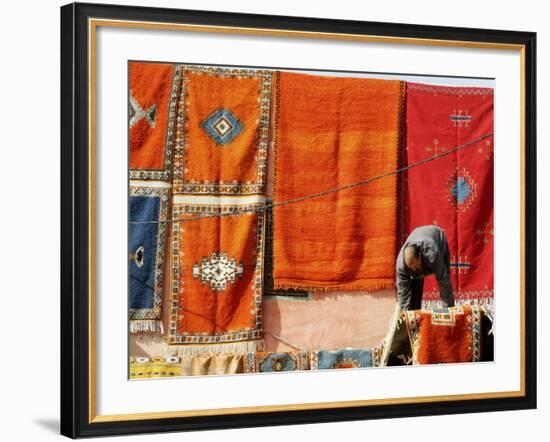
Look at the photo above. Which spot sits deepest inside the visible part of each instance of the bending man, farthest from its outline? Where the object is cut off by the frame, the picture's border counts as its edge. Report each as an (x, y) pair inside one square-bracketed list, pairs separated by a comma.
[(425, 252)]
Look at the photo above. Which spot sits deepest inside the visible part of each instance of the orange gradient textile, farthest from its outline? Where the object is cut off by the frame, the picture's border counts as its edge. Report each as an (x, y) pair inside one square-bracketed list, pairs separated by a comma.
[(216, 277), (445, 335), (331, 132), (150, 86)]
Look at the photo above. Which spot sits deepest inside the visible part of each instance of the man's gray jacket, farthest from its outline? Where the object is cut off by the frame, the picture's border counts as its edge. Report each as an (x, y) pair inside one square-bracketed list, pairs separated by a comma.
[(434, 252)]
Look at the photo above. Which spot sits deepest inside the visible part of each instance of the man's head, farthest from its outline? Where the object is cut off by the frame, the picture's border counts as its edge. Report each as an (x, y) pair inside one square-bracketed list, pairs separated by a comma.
[(412, 258)]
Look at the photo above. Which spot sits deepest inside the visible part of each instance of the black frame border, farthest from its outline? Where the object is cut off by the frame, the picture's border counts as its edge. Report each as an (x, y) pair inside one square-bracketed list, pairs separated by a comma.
[(75, 220)]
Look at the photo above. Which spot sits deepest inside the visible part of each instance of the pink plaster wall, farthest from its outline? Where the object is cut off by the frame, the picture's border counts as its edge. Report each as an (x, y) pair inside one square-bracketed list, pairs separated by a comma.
[(329, 321)]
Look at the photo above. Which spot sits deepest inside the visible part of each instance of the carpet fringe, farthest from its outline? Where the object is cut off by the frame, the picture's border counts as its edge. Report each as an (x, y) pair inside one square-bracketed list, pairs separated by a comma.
[(146, 326), (232, 347), (433, 303), (336, 288)]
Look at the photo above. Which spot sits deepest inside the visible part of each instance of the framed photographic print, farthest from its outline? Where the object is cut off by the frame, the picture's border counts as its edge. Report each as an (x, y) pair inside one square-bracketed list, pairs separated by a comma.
[(275, 220)]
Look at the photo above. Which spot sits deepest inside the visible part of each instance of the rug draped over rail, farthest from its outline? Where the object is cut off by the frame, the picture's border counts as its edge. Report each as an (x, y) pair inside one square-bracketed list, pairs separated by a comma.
[(435, 336)]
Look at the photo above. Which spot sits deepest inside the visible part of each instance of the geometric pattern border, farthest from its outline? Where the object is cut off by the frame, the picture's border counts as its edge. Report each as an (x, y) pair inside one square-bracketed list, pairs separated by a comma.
[(449, 90)]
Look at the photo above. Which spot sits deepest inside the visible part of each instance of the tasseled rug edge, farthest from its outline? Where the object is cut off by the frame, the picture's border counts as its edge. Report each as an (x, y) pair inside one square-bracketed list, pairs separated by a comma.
[(231, 347), (146, 326)]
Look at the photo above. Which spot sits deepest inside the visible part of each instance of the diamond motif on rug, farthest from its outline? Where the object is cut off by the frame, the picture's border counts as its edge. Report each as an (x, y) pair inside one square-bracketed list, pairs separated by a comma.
[(462, 189), (218, 271), (222, 126)]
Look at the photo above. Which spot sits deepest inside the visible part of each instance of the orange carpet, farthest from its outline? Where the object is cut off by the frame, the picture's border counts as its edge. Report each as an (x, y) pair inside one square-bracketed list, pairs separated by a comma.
[(150, 86), (330, 132), (445, 335), (216, 280), (222, 146)]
